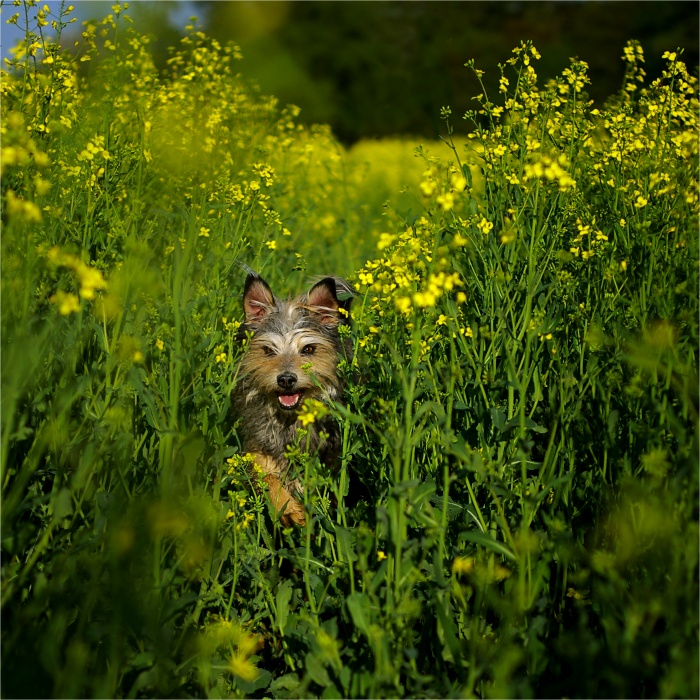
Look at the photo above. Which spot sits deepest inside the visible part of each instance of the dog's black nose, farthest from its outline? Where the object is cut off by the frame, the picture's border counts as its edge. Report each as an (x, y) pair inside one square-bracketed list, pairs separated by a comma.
[(287, 380)]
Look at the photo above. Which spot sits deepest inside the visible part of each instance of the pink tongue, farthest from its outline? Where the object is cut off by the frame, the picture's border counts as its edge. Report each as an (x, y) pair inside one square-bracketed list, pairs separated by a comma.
[(289, 400)]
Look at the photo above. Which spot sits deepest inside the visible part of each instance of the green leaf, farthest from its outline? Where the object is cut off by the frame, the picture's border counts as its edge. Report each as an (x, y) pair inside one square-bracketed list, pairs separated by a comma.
[(487, 541), (345, 543), (356, 604), (421, 493), (438, 572), (468, 175), (527, 422), (498, 418), (448, 627), (379, 577), (262, 681), (316, 672), (290, 681), (284, 595), (63, 505)]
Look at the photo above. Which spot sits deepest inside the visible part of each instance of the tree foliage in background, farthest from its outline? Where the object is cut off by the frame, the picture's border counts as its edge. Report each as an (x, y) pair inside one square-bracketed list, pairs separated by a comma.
[(374, 69)]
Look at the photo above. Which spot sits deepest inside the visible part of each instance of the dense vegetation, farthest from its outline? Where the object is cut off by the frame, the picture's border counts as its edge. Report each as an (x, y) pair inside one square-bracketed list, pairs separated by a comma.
[(515, 512)]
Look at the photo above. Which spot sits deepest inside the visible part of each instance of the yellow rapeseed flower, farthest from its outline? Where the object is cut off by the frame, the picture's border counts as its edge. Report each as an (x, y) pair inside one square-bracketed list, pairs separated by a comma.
[(508, 236), (243, 668), (67, 303), (484, 226), (366, 278), (312, 410), (463, 565), (306, 418), (247, 519), (385, 240), (42, 186), (90, 280), (403, 304), (446, 201), (424, 299), (428, 187), (21, 209), (458, 182)]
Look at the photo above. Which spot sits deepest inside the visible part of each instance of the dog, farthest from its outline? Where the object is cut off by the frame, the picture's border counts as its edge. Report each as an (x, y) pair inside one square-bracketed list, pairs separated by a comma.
[(294, 349)]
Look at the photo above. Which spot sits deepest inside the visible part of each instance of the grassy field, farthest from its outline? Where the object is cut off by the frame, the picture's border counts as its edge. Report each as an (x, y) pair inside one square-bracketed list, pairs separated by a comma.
[(515, 513)]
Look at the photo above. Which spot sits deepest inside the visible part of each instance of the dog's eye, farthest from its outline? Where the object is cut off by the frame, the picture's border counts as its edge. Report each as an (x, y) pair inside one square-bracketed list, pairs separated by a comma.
[(268, 350), (308, 350)]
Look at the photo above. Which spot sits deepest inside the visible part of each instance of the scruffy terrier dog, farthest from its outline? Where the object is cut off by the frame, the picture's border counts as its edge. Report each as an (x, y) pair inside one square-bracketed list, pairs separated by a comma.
[(293, 355)]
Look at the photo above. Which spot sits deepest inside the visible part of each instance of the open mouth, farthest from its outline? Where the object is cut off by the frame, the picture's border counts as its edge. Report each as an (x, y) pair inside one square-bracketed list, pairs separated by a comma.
[(290, 401)]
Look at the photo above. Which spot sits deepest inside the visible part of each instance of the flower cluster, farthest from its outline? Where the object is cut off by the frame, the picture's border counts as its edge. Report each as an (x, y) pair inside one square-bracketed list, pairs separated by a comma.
[(241, 463), (311, 411), (89, 279), (551, 169), (410, 274), (230, 638)]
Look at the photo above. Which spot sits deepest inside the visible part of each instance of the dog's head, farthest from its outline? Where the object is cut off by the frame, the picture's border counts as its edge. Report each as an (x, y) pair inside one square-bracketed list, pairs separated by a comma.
[(295, 345)]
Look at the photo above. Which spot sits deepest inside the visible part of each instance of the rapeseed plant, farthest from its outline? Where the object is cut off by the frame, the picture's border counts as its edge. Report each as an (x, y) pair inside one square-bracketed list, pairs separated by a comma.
[(518, 472)]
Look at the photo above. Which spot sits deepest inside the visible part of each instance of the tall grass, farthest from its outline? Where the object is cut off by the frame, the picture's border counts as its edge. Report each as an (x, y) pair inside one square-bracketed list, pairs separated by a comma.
[(515, 509)]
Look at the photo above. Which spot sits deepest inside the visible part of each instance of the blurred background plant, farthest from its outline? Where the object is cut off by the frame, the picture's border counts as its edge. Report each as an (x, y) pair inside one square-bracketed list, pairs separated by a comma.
[(519, 473)]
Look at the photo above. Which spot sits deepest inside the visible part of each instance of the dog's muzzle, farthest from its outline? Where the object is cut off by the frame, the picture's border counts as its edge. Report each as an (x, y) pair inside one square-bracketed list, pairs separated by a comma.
[(289, 399)]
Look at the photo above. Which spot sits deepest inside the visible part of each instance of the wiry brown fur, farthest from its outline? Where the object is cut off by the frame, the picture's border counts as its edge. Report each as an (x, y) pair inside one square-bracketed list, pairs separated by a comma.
[(289, 334)]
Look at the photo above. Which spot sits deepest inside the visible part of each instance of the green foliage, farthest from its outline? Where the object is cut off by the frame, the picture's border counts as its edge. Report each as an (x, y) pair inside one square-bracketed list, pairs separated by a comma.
[(515, 508)]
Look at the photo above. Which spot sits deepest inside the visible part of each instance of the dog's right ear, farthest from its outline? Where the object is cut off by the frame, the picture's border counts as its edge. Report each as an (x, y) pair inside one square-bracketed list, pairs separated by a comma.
[(258, 299)]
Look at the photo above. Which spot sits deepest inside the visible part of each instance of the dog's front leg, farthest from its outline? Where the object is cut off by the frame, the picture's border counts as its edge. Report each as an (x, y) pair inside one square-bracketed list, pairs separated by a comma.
[(281, 499)]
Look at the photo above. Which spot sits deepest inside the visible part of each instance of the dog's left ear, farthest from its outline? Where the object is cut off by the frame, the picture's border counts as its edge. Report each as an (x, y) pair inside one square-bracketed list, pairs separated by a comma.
[(324, 302)]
